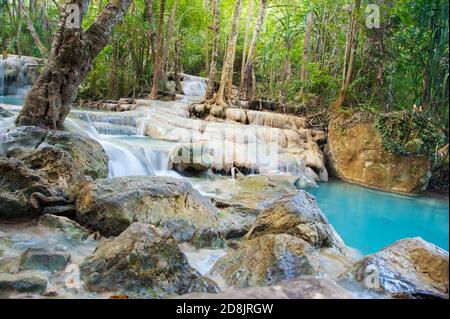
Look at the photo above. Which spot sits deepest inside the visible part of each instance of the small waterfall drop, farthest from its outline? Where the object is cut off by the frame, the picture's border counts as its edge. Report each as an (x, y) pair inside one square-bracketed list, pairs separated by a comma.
[(194, 85)]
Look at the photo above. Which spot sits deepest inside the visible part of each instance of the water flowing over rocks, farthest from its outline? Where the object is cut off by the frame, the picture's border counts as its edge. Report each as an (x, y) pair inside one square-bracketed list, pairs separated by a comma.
[(17, 73), (411, 268), (297, 215), (303, 287), (111, 205), (267, 260), (356, 154), (143, 260)]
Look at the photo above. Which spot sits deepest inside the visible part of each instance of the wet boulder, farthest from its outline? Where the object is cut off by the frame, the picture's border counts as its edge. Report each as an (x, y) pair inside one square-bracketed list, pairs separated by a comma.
[(267, 260), (64, 225), (43, 259), (143, 260), (86, 154), (22, 283), (411, 268), (297, 214), (5, 113), (18, 186), (111, 205)]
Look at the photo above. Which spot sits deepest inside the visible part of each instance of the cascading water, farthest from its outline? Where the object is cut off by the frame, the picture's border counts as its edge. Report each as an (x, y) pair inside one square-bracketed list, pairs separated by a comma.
[(194, 85), (17, 74)]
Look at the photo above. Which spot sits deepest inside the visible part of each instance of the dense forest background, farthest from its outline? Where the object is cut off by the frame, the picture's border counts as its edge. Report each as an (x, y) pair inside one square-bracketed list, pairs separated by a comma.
[(308, 57)]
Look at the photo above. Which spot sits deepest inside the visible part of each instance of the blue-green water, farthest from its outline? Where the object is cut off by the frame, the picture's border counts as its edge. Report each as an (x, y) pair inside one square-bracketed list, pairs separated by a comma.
[(369, 220), (11, 99)]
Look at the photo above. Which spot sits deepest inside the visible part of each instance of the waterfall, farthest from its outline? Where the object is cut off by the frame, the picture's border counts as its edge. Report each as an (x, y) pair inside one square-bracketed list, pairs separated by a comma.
[(194, 85), (17, 74), (126, 157), (2, 76)]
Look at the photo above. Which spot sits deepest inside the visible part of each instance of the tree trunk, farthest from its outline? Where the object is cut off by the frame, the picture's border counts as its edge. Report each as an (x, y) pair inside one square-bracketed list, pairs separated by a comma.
[(177, 68), (209, 94), (349, 55), (158, 67), (151, 20), (306, 47), (244, 49), (42, 49), (70, 60), (223, 95), (247, 88), (165, 53)]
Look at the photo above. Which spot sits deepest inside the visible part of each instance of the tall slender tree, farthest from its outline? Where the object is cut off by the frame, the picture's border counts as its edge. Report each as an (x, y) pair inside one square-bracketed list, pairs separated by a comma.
[(215, 49), (247, 85)]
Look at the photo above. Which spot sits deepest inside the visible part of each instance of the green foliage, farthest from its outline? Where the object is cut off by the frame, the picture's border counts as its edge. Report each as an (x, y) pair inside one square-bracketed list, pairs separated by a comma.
[(409, 133)]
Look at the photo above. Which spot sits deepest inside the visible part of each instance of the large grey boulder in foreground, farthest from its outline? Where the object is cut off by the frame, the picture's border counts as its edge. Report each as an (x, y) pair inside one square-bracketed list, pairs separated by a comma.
[(297, 215), (411, 268), (111, 205), (143, 260), (267, 260)]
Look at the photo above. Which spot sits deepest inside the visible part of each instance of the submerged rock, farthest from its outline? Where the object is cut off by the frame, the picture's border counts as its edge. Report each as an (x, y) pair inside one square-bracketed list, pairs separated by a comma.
[(22, 283), (64, 225), (111, 205), (42, 259), (409, 267), (304, 287), (143, 259), (267, 260), (5, 113), (356, 154), (298, 215)]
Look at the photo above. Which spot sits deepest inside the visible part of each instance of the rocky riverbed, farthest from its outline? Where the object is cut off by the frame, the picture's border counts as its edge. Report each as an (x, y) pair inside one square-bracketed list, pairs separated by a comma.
[(151, 199)]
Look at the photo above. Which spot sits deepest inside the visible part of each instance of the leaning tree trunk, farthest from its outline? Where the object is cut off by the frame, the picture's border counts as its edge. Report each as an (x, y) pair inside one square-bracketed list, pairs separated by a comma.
[(71, 56), (223, 95), (215, 50), (246, 89)]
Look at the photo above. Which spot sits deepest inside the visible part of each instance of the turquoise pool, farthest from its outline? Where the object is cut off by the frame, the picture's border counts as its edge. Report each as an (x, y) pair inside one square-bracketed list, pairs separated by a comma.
[(11, 99), (369, 220)]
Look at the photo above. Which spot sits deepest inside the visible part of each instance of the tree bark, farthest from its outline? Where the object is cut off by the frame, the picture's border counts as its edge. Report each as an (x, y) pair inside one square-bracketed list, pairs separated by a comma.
[(158, 67), (244, 49), (247, 88), (306, 47), (215, 50), (151, 21), (42, 49), (349, 56), (71, 56), (224, 93)]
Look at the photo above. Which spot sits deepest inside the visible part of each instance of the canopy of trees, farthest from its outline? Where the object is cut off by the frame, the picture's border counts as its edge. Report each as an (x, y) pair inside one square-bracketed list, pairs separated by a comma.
[(312, 55)]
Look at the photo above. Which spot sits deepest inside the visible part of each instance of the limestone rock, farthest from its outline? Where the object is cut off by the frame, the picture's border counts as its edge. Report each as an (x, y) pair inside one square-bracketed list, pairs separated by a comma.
[(111, 205), (17, 185), (22, 283), (298, 215), (142, 259), (64, 225), (42, 259), (267, 260), (356, 154), (409, 267)]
